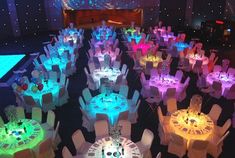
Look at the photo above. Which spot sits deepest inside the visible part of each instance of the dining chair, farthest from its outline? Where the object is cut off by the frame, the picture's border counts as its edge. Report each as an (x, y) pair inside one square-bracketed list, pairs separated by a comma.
[(101, 129), (221, 130), (124, 90), (196, 103), (153, 72), (46, 149), (25, 153), (230, 93), (159, 155), (171, 104), (133, 113), (225, 65), (47, 102), (116, 65), (125, 128), (215, 112), (56, 69), (87, 121), (62, 96), (100, 117), (148, 67), (170, 93), (124, 69), (146, 141), (80, 143), (87, 95), (63, 79), (66, 153), (197, 148), (197, 68), (53, 76), (215, 146), (37, 114), (56, 139), (133, 101), (30, 102), (20, 114), (43, 58), (91, 67), (216, 89), (177, 145), (82, 103), (179, 74), (50, 122), (155, 95), (92, 84), (217, 68), (231, 71), (123, 115)]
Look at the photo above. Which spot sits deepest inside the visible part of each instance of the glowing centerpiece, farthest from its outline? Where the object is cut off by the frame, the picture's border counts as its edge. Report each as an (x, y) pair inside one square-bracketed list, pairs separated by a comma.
[(110, 104), (18, 135), (150, 58), (191, 125)]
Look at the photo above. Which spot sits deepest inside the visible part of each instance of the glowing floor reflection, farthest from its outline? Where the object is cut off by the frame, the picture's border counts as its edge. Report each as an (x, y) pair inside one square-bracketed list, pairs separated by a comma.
[(7, 62)]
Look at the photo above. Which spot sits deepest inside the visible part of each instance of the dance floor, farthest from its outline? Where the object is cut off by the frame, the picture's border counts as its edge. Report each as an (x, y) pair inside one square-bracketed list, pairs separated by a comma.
[(7, 62)]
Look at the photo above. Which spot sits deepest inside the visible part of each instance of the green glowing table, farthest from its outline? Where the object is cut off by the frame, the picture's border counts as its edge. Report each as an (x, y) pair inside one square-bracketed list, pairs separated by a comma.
[(7, 62), (15, 137), (111, 105)]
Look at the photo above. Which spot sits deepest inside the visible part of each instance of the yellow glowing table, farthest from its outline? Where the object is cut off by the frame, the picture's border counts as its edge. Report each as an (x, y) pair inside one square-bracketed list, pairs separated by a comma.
[(150, 58), (191, 125), (16, 136)]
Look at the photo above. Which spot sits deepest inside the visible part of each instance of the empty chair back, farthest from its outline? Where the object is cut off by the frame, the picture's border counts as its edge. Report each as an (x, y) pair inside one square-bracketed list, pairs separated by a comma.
[(96, 62), (29, 100), (124, 68), (42, 58), (82, 103), (37, 114), (171, 93), (149, 65), (198, 147), (225, 65), (231, 71), (147, 138), (47, 98), (160, 115), (159, 155), (100, 117), (225, 127), (20, 112), (66, 153), (86, 95), (26, 153), (215, 112), (135, 97), (51, 119), (196, 103), (143, 79), (217, 68), (78, 139), (101, 128), (125, 128), (116, 64), (124, 90), (46, 149), (62, 79), (186, 82), (171, 105), (123, 115), (179, 74)]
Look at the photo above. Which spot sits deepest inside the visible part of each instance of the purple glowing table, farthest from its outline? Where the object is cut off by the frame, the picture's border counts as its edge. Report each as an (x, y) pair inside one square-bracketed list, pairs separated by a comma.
[(226, 80)]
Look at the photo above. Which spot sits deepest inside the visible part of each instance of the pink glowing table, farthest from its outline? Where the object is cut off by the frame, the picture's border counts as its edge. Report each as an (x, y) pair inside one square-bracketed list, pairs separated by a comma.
[(226, 79), (143, 46), (165, 82)]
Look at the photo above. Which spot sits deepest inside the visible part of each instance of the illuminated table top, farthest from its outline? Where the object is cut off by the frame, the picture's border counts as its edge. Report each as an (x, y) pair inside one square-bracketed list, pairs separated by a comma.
[(104, 52), (55, 61), (181, 46), (62, 47), (151, 58), (15, 137), (111, 105), (48, 87), (109, 73), (194, 57), (103, 32), (144, 46), (130, 148), (226, 79), (167, 37), (7, 62), (131, 33), (164, 82), (71, 34), (191, 125), (131, 30)]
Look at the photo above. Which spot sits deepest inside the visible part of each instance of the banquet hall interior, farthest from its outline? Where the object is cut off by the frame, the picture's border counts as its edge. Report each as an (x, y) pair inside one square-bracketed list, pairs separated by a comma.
[(117, 78)]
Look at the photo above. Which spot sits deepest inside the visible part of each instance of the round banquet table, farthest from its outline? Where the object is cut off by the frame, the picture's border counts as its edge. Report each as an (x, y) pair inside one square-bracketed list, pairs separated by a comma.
[(226, 79), (150, 58), (144, 47), (131, 30), (110, 104), (109, 73), (165, 82), (16, 136), (194, 57), (62, 47), (101, 32), (181, 46), (55, 61), (100, 55), (167, 37), (130, 149), (48, 87), (191, 125)]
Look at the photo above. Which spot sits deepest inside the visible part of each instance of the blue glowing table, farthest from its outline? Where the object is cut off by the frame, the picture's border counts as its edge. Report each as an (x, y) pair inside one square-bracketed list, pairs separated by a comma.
[(62, 62), (16, 136), (181, 46), (103, 32), (7, 62), (111, 105), (48, 87), (62, 47)]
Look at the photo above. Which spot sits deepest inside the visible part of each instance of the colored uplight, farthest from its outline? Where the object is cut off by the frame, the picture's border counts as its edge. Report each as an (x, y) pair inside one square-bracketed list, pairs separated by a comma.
[(109, 104), (7, 62), (181, 46), (191, 125), (15, 137)]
